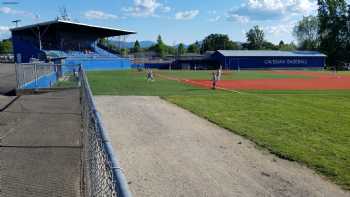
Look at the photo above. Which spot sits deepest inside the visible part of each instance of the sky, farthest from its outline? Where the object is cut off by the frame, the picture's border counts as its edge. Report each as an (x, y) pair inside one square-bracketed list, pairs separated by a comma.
[(177, 21)]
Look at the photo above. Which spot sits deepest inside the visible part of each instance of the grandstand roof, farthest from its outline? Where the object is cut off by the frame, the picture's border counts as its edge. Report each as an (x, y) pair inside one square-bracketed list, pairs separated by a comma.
[(71, 25), (261, 53)]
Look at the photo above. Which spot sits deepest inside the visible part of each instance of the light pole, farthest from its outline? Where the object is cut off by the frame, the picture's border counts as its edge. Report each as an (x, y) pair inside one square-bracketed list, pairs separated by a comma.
[(16, 22)]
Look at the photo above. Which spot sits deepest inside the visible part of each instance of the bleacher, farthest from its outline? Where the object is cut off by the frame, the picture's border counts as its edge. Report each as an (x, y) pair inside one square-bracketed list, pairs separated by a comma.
[(93, 59)]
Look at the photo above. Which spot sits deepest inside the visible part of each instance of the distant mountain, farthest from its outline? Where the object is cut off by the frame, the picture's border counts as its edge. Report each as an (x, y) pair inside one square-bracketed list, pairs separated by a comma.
[(144, 44)]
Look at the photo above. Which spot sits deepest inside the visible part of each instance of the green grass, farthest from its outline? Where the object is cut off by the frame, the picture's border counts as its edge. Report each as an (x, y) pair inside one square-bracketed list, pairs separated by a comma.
[(135, 83), (344, 73), (311, 127), (70, 83), (232, 75)]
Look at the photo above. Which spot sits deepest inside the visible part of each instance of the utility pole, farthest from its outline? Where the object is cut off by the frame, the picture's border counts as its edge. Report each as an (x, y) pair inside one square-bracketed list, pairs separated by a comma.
[(39, 37)]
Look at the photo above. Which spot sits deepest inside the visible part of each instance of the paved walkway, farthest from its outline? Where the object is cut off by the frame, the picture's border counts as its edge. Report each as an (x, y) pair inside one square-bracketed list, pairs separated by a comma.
[(7, 78), (40, 147), (167, 151)]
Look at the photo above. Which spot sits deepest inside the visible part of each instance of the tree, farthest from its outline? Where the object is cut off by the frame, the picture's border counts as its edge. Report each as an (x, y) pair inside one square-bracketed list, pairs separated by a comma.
[(345, 53), (307, 33), (160, 47), (255, 38), (286, 47), (137, 47), (181, 49), (268, 46), (215, 42), (194, 48), (332, 27), (5, 47)]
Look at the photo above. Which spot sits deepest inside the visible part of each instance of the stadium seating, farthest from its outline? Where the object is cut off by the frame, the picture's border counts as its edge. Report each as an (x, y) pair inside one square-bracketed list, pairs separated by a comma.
[(95, 59)]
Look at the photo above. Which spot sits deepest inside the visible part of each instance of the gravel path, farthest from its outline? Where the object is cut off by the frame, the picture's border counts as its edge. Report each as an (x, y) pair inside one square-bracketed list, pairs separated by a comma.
[(168, 151)]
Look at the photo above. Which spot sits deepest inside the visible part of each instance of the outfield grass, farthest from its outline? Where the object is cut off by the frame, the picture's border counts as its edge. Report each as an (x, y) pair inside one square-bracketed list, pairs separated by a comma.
[(311, 127), (135, 83), (344, 73), (229, 75)]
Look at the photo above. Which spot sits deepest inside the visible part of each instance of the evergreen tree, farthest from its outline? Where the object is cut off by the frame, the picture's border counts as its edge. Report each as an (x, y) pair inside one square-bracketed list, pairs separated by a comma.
[(160, 47), (181, 49), (137, 47)]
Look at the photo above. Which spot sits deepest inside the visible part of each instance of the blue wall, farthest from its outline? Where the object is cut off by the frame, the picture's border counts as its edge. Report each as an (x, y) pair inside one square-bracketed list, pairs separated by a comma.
[(100, 63), (269, 62), (25, 48), (44, 81)]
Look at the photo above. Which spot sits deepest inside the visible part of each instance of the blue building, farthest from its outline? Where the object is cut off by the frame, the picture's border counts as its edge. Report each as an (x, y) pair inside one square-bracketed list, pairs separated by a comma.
[(74, 42), (244, 59)]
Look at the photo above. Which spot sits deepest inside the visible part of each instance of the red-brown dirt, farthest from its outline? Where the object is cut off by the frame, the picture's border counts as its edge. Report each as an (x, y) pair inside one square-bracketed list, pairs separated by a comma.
[(318, 81)]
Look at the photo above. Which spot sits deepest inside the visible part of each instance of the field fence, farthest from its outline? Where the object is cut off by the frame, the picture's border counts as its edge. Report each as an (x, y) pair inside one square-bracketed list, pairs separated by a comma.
[(31, 73), (42, 75), (102, 173)]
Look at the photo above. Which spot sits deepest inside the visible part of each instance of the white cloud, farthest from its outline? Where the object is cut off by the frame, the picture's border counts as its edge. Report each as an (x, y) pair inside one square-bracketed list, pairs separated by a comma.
[(146, 8), (96, 14), (186, 15), (213, 16), (215, 19), (7, 10), (278, 30), (4, 29), (165, 9), (237, 18), (4, 32), (259, 10)]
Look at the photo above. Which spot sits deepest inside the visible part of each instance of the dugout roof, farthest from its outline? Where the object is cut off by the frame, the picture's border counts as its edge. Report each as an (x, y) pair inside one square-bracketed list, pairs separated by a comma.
[(75, 26), (262, 53)]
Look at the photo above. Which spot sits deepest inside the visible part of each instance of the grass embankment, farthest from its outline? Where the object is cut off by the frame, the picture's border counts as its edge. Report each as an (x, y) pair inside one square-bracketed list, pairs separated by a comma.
[(311, 127)]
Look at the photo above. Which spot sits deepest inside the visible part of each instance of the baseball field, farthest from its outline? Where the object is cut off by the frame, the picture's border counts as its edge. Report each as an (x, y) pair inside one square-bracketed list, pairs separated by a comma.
[(301, 116)]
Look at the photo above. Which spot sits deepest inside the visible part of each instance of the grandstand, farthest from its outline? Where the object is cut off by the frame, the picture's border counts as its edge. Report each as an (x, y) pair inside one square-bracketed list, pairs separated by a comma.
[(75, 43)]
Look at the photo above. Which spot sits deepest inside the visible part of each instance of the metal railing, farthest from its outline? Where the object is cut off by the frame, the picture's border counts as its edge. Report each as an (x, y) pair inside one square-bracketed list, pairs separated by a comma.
[(102, 173), (30, 75), (45, 75)]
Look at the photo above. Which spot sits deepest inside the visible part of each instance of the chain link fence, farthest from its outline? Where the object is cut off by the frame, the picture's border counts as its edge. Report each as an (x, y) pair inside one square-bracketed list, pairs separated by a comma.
[(35, 75), (102, 173)]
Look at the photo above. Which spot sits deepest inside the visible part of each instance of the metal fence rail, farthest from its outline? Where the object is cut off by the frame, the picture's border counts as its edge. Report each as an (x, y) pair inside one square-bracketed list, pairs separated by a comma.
[(43, 75), (32, 73), (102, 173)]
